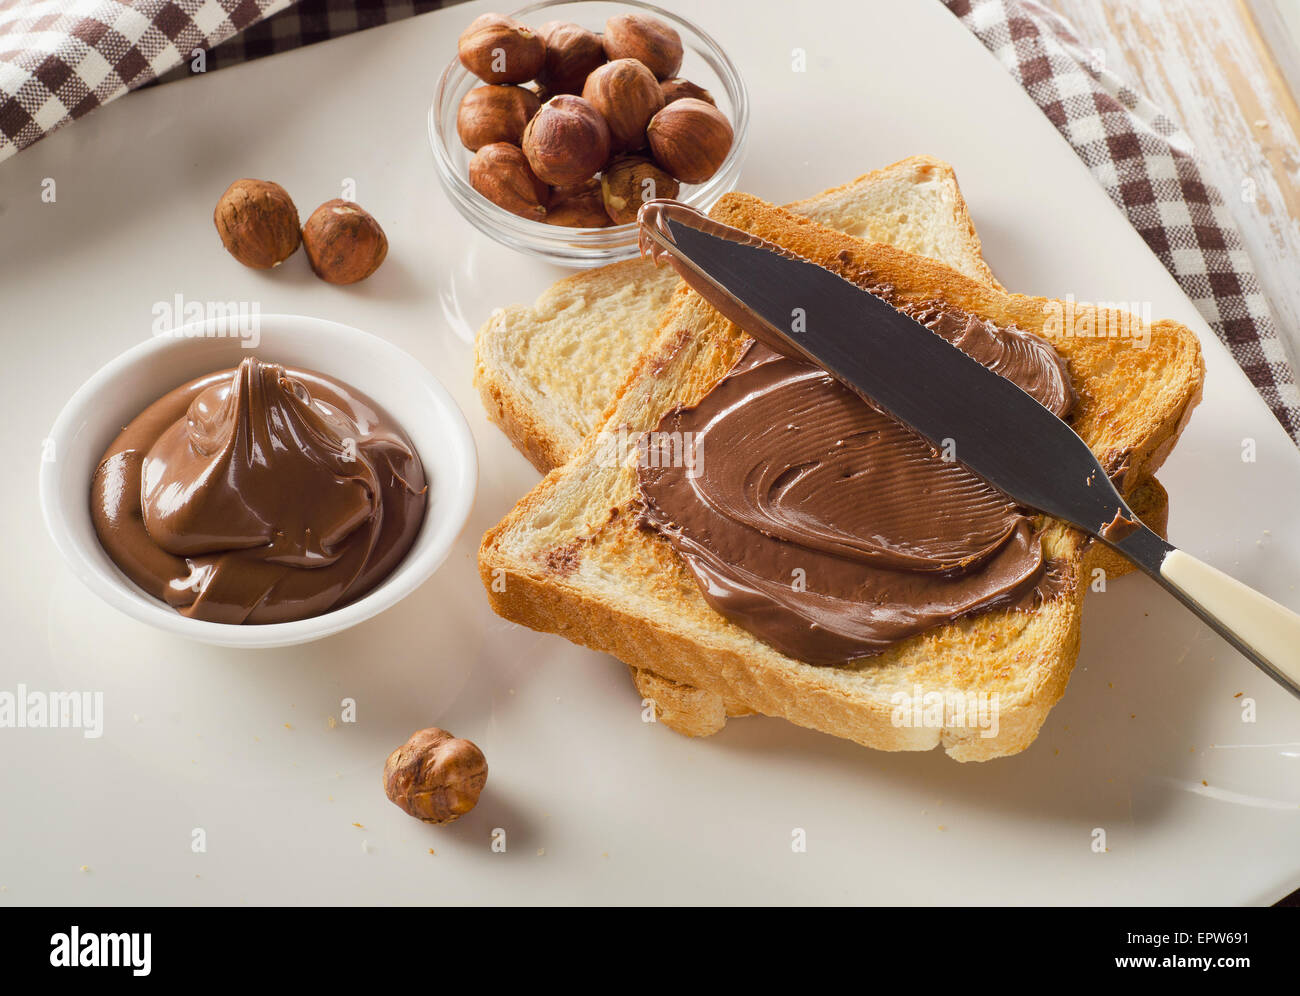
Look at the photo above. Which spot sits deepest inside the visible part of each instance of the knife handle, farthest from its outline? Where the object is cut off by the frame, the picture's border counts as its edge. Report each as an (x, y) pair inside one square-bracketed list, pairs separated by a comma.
[(1266, 632)]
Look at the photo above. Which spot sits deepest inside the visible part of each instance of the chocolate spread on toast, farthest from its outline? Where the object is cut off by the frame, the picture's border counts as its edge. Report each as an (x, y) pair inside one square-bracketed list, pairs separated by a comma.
[(826, 528)]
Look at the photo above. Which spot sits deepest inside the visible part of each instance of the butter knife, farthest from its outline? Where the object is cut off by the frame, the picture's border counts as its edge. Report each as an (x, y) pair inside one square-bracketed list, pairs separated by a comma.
[(1000, 433)]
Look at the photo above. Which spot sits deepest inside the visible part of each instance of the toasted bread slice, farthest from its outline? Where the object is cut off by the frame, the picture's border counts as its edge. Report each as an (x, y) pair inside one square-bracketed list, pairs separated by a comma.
[(570, 558), (548, 373)]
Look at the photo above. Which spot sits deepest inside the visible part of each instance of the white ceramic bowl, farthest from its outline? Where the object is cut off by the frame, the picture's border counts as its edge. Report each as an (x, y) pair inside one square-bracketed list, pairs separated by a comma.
[(122, 389)]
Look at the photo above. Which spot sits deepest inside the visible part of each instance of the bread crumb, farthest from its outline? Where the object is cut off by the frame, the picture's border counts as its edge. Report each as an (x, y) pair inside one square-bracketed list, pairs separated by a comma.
[(288, 726), (331, 722), (1239, 695), (358, 826), (1205, 783), (85, 868), (604, 854), (365, 847), (942, 827), (431, 851), (541, 852)]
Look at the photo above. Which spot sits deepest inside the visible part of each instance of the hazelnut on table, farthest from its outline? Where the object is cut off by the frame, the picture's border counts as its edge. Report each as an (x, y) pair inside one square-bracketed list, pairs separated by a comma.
[(257, 222), (435, 777), (343, 242)]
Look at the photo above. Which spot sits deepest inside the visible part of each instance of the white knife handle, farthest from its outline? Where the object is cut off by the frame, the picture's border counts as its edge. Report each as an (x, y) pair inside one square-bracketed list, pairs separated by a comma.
[(1266, 632)]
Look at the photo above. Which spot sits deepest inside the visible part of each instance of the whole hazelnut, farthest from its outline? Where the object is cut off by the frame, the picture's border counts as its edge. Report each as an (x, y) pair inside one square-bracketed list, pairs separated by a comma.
[(572, 54), (490, 114), (628, 96), (690, 139), (257, 222), (581, 206), (500, 172), (648, 40), (434, 776), (498, 49), (343, 242), (678, 88), (567, 141), (627, 183)]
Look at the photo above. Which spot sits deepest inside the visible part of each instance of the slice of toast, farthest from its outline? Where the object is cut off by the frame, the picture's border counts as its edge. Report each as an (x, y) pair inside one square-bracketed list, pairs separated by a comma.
[(570, 558), (548, 373)]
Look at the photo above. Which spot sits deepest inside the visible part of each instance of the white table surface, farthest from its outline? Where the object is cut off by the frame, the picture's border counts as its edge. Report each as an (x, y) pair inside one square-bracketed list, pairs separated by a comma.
[(597, 806)]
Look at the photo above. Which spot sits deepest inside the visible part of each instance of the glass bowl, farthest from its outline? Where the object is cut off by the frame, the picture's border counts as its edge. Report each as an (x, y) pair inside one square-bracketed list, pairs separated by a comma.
[(704, 63)]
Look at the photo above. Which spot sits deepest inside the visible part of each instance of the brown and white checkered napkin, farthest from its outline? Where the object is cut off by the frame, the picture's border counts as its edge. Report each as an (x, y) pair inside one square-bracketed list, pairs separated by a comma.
[(1146, 164), (60, 59)]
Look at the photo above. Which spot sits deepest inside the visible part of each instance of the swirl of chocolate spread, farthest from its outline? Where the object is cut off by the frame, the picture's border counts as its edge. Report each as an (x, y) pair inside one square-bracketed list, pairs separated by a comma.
[(826, 528), (259, 495)]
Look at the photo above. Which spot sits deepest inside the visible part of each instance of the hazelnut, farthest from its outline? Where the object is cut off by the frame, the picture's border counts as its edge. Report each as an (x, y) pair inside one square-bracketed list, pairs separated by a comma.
[(500, 172), (572, 54), (257, 222), (498, 49), (627, 183), (678, 88), (648, 40), (490, 114), (690, 139), (628, 96), (434, 776), (567, 141), (343, 242), (580, 206)]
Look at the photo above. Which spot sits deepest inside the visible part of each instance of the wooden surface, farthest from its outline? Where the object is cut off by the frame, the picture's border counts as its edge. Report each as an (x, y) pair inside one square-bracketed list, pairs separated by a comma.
[(1213, 66)]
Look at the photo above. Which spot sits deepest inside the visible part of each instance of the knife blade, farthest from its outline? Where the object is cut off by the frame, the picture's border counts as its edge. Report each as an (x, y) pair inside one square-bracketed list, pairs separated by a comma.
[(959, 406)]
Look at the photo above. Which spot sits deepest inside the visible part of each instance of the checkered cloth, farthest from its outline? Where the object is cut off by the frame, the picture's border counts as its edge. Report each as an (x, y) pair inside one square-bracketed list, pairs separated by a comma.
[(60, 59), (1147, 165)]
